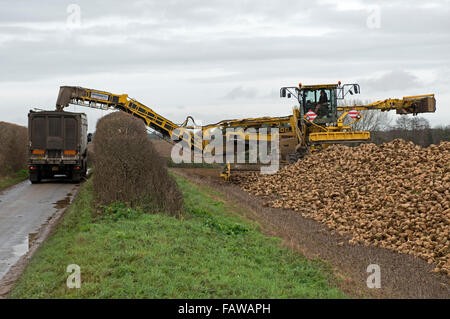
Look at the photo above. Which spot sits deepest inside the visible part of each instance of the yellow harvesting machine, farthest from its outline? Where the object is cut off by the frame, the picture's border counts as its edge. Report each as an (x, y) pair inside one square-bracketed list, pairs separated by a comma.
[(315, 123)]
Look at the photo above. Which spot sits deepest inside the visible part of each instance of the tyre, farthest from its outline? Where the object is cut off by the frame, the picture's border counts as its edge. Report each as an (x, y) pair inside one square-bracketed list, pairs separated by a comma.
[(35, 178), (85, 169), (76, 177)]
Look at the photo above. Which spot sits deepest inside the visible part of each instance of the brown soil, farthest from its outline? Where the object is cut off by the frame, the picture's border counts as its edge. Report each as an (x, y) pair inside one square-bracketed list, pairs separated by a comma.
[(63, 202), (402, 276)]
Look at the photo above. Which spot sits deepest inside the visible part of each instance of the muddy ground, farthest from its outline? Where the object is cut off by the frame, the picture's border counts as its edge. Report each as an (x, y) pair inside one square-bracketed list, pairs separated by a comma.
[(402, 276)]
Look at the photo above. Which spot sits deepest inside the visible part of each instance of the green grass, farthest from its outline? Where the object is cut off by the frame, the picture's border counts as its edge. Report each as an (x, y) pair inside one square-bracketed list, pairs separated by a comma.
[(212, 253), (7, 181), (171, 163)]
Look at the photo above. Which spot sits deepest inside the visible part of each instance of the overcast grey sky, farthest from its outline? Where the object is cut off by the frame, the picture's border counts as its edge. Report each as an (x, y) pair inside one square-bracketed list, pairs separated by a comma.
[(220, 59)]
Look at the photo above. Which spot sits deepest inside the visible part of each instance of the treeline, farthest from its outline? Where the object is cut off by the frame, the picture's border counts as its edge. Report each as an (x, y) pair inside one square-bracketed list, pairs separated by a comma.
[(415, 129), (13, 148), (385, 127)]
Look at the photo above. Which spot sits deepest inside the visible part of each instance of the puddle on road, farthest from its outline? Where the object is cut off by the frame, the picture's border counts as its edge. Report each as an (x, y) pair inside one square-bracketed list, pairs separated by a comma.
[(22, 248), (62, 203)]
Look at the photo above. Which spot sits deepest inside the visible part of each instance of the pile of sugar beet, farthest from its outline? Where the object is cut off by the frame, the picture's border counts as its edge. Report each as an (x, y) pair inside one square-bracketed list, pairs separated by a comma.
[(395, 195)]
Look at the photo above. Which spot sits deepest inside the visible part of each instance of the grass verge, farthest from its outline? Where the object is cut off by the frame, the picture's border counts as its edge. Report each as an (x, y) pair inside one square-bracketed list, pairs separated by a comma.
[(212, 253), (7, 181), (171, 163)]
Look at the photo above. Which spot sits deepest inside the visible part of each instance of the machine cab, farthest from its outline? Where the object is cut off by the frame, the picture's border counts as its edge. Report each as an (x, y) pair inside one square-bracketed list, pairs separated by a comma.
[(320, 99)]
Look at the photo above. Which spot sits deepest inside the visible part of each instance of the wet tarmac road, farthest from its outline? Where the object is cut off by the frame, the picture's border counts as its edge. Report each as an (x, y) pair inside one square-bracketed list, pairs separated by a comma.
[(24, 208)]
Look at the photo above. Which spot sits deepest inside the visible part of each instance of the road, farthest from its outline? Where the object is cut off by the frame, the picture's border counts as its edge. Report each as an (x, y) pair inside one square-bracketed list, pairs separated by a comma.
[(24, 208)]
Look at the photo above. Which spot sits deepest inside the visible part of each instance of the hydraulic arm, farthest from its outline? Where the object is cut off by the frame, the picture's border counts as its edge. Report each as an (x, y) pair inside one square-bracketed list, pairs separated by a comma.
[(408, 105), (105, 100)]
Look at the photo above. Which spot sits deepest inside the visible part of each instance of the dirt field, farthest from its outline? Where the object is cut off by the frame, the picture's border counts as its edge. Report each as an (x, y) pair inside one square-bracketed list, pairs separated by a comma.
[(402, 276)]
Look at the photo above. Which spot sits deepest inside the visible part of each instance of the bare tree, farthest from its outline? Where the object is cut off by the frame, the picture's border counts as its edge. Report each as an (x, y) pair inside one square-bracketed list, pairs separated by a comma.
[(402, 123), (371, 120), (413, 128), (419, 123)]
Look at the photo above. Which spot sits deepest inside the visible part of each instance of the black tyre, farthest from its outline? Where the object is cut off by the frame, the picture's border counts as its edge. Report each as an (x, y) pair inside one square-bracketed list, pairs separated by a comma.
[(76, 177), (35, 178), (85, 169)]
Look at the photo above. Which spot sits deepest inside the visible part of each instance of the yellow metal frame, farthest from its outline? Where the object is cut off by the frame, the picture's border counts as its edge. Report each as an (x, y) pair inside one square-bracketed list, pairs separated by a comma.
[(335, 137), (402, 106)]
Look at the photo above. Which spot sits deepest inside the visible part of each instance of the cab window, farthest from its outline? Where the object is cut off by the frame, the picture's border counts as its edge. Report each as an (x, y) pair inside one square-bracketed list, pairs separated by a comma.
[(310, 100)]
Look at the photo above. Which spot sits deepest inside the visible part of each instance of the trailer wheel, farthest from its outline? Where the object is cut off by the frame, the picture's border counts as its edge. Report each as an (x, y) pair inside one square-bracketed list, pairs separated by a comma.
[(85, 169), (76, 177), (35, 178)]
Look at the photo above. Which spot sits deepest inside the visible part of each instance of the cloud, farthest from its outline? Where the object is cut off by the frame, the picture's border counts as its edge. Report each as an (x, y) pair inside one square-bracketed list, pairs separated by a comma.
[(393, 80), (189, 53), (240, 92)]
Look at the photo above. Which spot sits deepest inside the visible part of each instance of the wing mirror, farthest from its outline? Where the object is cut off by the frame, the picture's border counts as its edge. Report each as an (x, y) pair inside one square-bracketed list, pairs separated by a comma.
[(355, 88)]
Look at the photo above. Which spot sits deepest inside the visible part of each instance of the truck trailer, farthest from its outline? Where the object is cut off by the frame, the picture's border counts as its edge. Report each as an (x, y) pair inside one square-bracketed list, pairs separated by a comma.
[(57, 145)]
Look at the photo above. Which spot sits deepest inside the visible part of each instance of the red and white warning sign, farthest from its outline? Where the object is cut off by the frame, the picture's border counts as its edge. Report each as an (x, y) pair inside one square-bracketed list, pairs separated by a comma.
[(310, 115), (354, 114)]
